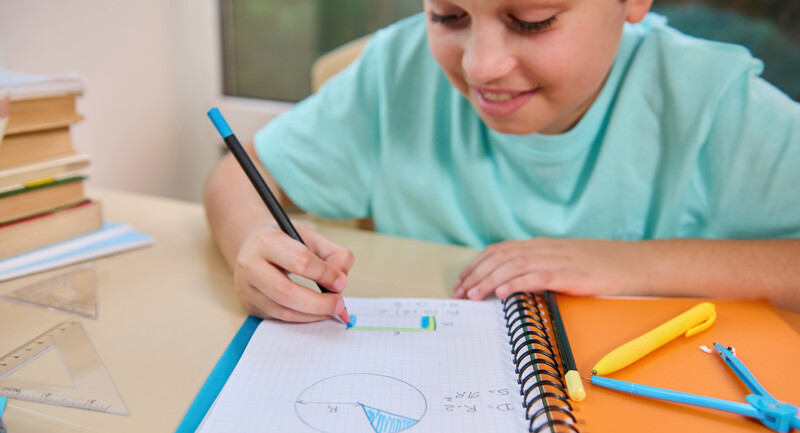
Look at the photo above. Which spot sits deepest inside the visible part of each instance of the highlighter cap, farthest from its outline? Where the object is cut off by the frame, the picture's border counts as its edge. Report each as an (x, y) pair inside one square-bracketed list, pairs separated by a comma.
[(575, 386)]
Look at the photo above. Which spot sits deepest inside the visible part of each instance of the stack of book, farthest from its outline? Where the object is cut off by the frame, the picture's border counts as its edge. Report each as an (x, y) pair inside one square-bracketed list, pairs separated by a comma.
[(42, 198)]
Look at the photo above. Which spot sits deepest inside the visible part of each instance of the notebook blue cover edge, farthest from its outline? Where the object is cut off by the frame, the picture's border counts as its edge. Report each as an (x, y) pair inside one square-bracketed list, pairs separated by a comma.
[(219, 375)]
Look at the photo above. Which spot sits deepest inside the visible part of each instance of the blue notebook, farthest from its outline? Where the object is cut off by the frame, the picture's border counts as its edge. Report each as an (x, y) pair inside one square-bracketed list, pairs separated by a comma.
[(219, 375)]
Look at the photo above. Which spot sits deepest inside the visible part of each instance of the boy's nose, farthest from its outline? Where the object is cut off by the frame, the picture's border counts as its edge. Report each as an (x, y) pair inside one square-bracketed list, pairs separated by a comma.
[(486, 56)]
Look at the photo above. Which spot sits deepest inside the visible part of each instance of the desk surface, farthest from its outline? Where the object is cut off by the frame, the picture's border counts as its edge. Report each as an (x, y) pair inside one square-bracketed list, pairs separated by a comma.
[(167, 312)]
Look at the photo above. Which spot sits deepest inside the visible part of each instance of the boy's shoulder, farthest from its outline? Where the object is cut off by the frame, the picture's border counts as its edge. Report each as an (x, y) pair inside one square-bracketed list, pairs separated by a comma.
[(684, 79), (684, 59)]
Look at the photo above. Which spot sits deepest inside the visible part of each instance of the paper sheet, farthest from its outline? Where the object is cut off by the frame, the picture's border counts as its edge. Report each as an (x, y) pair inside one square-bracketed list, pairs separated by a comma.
[(323, 377)]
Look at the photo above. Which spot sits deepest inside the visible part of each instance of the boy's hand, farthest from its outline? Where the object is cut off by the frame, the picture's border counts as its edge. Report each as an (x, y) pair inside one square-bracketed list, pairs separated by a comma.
[(264, 288), (581, 267)]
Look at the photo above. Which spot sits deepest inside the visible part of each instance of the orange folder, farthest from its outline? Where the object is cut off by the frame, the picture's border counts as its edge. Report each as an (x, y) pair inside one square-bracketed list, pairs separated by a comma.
[(764, 342)]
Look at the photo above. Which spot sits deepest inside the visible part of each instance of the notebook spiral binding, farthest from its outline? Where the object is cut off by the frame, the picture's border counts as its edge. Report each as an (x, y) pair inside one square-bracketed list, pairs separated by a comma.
[(541, 383)]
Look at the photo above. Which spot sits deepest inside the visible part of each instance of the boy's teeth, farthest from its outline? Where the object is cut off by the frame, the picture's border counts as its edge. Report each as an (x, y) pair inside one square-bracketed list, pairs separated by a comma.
[(497, 97)]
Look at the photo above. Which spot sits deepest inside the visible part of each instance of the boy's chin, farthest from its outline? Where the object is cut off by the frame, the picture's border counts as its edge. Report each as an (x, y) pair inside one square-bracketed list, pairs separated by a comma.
[(519, 124), (511, 126)]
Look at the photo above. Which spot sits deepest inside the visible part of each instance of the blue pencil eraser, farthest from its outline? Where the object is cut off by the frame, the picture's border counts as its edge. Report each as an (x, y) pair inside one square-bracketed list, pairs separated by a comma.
[(219, 122)]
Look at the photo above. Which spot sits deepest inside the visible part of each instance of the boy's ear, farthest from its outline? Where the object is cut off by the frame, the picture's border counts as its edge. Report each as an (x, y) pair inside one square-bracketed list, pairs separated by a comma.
[(637, 9)]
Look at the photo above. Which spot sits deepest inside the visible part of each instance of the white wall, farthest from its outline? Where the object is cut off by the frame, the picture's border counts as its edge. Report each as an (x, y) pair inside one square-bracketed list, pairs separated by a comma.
[(152, 71)]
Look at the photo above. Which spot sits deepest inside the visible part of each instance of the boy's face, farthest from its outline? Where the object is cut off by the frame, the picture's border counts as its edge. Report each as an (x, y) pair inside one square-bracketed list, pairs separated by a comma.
[(529, 65)]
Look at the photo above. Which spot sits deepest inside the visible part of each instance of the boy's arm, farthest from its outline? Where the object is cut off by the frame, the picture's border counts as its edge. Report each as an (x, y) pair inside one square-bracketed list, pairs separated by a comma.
[(233, 207), (742, 269), (260, 254)]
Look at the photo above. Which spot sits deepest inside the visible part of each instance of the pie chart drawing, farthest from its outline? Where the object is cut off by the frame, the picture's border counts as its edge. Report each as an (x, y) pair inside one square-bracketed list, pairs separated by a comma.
[(361, 403)]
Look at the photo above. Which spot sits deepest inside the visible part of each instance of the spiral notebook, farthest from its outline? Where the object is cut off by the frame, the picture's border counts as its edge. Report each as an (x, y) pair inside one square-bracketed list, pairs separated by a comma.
[(406, 364), (464, 366)]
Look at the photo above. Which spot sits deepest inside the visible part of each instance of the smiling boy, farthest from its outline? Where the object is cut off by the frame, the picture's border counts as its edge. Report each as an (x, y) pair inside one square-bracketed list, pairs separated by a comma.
[(584, 145), (528, 66)]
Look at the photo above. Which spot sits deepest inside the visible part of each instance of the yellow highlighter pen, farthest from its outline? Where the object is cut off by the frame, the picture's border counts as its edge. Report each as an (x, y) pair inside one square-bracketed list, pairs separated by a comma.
[(693, 321)]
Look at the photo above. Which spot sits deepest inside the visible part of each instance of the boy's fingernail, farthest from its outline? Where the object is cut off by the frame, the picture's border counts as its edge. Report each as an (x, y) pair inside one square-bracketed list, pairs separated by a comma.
[(472, 294), (460, 293), (502, 291), (340, 283), (339, 307)]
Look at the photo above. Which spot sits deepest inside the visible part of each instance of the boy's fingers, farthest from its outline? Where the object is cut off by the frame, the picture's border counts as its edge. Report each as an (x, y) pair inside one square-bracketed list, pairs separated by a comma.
[(496, 273), (280, 289), (467, 271), (530, 282), (298, 259), (480, 265), (260, 305), (477, 277), (341, 258), (331, 252), (511, 264)]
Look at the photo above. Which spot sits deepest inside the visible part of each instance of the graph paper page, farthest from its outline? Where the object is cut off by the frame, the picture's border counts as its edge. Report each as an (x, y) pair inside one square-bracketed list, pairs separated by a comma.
[(406, 365)]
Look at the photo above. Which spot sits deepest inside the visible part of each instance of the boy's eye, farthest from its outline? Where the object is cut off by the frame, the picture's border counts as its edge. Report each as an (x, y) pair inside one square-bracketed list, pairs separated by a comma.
[(448, 20), (530, 27)]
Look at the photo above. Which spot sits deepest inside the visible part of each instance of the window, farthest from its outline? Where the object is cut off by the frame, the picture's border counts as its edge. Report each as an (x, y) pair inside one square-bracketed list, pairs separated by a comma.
[(268, 46)]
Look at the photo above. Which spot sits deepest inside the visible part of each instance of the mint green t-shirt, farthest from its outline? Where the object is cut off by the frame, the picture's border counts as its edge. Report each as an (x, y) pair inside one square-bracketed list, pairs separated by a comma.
[(684, 140)]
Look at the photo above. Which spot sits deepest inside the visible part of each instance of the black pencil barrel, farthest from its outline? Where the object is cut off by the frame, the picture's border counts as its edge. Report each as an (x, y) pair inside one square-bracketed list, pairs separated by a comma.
[(261, 187), (564, 349)]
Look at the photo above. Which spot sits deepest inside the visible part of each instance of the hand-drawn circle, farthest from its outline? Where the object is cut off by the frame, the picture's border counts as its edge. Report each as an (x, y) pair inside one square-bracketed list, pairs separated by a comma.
[(361, 403)]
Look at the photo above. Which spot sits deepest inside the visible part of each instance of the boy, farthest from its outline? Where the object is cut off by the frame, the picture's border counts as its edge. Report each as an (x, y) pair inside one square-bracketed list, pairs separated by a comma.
[(586, 155)]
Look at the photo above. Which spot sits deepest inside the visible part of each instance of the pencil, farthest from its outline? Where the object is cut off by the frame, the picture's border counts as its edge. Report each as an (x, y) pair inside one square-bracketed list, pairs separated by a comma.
[(572, 377), (261, 186)]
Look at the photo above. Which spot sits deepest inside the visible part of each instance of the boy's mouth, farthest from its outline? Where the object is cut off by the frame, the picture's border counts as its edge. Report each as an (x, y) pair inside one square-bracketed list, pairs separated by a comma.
[(501, 103), (497, 97)]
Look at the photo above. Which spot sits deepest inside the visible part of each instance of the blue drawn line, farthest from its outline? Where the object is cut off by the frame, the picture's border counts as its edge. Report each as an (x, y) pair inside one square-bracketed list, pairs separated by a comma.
[(387, 422)]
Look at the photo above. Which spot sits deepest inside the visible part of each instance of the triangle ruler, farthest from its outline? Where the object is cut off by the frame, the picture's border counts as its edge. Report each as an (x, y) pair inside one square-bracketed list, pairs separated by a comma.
[(71, 291), (60, 367)]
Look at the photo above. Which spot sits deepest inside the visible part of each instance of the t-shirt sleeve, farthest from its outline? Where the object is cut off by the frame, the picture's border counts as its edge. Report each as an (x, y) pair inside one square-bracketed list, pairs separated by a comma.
[(324, 151), (749, 172)]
